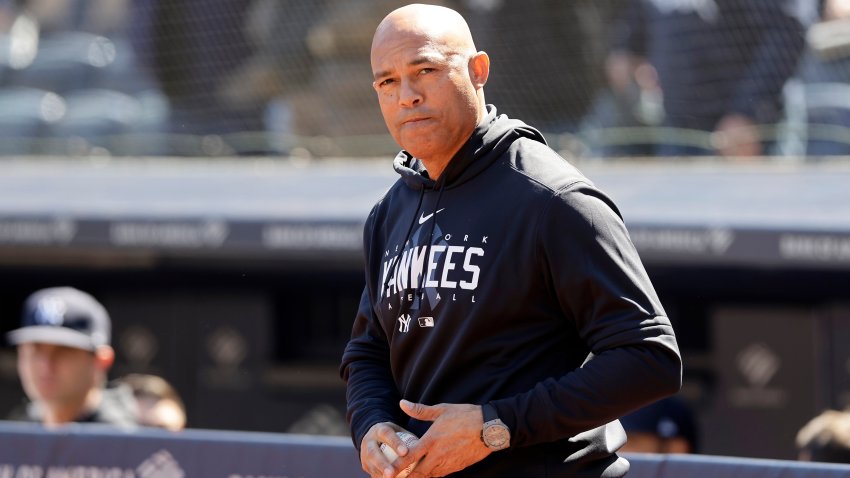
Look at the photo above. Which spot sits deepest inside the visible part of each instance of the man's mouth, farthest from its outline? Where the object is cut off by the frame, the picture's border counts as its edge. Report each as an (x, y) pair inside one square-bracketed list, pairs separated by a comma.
[(416, 119)]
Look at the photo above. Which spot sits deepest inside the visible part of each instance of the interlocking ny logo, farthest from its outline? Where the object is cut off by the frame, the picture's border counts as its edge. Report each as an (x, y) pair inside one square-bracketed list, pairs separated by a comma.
[(404, 323), (50, 311), (160, 465)]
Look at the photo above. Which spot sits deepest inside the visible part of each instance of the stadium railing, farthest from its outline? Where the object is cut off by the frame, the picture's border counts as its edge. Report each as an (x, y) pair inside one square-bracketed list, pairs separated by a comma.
[(92, 450)]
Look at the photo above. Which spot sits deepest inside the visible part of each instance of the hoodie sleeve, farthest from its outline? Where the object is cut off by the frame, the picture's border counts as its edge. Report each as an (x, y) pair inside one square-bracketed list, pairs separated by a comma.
[(371, 393), (593, 268)]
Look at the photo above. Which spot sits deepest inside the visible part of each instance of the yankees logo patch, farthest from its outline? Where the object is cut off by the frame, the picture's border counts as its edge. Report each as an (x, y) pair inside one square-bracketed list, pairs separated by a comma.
[(404, 323)]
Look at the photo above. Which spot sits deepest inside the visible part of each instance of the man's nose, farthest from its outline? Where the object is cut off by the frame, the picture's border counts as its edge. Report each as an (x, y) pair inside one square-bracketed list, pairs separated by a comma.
[(409, 94)]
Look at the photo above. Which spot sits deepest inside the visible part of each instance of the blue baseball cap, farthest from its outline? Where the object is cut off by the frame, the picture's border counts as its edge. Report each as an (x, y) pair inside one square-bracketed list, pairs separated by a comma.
[(63, 316), (667, 418)]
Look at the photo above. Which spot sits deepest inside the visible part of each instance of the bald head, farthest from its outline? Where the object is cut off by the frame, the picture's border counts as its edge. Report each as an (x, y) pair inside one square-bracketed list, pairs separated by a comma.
[(438, 26), (430, 81)]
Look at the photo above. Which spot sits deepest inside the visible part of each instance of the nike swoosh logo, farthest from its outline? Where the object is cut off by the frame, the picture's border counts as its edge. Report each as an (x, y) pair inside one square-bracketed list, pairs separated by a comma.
[(424, 218)]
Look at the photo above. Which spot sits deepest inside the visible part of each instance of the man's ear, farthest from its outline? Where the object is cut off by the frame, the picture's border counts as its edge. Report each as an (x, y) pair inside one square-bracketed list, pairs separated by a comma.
[(479, 69), (104, 357)]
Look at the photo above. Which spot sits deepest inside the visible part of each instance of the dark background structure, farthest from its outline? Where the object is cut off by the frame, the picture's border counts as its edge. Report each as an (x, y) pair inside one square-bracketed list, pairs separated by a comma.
[(238, 280)]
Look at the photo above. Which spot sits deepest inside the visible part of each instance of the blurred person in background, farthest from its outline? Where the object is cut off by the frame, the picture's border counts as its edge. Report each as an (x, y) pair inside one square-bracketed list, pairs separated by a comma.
[(666, 426), (546, 52), (826, 438), (718, 66), (321, 46), (280, 66), (193, 48), (64, 355), (822, 111), (159, 404)]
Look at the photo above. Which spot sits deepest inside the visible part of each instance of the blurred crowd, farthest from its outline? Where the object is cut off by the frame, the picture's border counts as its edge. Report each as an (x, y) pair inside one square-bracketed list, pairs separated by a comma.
[(737, 78)]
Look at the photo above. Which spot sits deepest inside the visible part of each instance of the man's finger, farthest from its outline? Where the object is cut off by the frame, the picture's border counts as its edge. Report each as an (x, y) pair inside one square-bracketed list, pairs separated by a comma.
[(421, 411), (392, 440), (377, 464), (374, 461), (416, 453)]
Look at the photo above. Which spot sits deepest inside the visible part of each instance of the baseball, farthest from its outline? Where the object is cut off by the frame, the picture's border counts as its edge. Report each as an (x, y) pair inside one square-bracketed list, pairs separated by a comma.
[(409, 439)]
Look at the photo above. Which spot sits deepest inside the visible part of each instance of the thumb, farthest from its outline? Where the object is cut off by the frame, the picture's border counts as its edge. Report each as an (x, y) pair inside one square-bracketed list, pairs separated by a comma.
[(420, 411)]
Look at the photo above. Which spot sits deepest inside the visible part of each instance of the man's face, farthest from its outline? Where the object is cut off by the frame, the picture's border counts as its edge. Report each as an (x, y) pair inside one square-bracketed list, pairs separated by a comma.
[(426, 96), (55, 374)]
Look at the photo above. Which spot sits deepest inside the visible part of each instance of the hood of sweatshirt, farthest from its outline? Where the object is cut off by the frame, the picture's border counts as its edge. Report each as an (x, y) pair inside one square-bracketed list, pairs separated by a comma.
[(493, 135)]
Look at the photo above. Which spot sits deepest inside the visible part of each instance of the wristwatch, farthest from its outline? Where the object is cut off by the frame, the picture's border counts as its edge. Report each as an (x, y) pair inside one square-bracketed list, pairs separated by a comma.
[(495, 434)]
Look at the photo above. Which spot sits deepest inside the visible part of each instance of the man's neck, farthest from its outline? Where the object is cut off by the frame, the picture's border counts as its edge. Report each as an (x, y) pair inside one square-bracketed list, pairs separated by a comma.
[(435, 167), (67, 412)]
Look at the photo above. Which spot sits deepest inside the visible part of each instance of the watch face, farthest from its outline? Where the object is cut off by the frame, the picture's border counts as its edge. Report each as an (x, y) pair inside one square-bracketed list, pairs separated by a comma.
[(496, 436)]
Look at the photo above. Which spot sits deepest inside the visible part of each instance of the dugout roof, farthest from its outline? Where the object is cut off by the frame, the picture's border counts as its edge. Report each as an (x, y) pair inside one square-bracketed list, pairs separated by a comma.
[(765, 214)]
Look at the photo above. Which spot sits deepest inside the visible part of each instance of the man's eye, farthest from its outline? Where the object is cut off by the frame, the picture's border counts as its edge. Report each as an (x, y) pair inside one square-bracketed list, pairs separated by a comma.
[(386, 82), (424, 71)]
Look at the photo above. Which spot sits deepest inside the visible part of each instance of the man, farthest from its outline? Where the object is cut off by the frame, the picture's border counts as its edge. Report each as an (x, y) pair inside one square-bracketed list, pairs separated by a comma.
[(666, 426), (825, 438), (63, 357), (158, 403), (506, 319)]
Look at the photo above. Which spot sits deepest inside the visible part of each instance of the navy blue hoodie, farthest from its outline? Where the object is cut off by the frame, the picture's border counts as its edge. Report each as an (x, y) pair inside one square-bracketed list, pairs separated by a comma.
[(510, 280)]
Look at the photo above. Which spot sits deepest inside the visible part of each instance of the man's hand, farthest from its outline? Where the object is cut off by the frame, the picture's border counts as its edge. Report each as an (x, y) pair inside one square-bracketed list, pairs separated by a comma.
[(372, 458), (451, 444)]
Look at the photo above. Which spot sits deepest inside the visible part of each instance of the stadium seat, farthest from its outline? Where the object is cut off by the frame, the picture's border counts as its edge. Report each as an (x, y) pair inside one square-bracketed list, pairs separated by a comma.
[(96, 118), (124, 73), (18, 46), (817, 121), (25, 116), (65, 62)]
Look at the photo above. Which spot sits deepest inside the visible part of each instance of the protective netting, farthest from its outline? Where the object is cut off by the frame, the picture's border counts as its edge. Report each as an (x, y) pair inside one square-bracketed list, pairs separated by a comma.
[(600, 77)]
